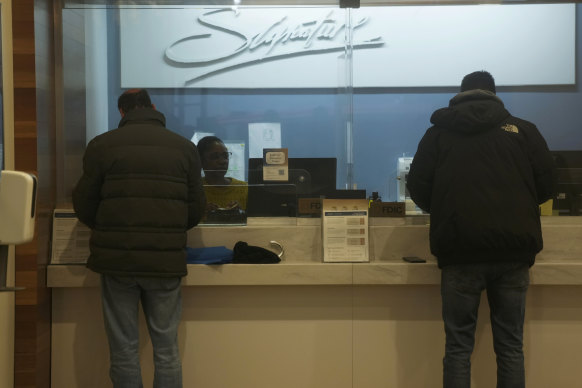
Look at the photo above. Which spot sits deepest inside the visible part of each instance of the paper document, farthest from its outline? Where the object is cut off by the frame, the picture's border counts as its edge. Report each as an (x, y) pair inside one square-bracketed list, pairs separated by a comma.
[(70, 238), (345, 230), (263, 135)]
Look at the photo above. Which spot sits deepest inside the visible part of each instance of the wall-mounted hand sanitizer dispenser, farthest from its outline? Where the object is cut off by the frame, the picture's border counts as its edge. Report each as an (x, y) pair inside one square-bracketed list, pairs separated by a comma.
[(17, 207)]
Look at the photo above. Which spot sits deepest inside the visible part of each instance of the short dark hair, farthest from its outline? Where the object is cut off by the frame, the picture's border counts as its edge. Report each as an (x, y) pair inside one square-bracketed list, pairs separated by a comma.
[(478, 80), (205, 143), (133, 99)]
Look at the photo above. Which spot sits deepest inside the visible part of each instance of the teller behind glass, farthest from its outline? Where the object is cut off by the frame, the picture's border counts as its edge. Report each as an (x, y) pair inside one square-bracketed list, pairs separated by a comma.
[(226, 197)]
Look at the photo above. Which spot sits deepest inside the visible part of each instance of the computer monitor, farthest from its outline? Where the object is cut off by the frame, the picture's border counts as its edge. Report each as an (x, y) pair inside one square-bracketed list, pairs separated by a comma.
[(272, 200), (312, 177), (568, 198)]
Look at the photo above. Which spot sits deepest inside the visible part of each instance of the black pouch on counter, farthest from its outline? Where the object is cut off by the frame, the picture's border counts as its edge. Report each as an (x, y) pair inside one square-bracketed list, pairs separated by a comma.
[(248, 254)]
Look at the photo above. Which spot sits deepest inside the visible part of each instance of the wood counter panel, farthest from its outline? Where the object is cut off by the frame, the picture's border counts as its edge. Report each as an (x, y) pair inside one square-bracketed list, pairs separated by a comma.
[(33, 305)]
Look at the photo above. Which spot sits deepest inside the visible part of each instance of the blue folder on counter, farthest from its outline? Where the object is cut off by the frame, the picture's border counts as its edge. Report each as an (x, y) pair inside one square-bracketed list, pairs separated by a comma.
[(209, 255)]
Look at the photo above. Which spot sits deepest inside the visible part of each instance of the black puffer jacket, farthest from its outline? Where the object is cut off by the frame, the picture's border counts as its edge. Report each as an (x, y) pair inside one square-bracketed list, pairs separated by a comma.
[(140, 192), (481, 174)]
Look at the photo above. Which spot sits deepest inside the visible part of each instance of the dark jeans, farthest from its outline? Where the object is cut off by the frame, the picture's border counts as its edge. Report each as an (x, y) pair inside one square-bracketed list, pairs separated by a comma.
[(461, 287)]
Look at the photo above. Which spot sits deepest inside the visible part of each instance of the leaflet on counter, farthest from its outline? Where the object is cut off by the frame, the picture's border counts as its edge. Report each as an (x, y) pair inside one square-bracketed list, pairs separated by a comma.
[(70, 240), (345, 230)]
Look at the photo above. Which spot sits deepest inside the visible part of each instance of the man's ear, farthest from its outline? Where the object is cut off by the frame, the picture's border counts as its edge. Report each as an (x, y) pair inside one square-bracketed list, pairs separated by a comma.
[(154, 106), (121, 112)]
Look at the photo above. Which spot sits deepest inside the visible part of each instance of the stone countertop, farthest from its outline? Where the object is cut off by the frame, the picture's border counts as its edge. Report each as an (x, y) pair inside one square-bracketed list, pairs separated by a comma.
[(303, 274), (560, 262)]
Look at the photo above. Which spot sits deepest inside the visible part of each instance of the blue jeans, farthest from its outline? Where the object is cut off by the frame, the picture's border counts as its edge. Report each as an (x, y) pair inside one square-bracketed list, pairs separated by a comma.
[(161, 301), (461, 286)]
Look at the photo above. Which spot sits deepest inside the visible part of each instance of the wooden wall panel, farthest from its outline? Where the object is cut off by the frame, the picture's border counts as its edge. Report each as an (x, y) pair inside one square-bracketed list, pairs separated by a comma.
[(34, 150)]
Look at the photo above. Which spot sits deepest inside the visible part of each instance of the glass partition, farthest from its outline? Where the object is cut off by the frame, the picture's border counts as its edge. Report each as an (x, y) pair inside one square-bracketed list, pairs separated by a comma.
[(322, 82), (432, 48), (211, 74)]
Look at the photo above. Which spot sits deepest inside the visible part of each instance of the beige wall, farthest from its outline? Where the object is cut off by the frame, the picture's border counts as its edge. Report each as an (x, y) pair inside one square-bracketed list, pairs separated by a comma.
[(319, 337), (307, 324)]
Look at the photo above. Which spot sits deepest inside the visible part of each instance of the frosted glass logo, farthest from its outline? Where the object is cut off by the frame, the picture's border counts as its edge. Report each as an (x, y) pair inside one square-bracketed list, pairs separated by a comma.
[(279, 40), (303, 47)]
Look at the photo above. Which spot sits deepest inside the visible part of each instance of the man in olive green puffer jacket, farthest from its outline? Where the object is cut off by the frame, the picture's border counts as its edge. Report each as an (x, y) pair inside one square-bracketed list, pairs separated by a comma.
[(140, 192)]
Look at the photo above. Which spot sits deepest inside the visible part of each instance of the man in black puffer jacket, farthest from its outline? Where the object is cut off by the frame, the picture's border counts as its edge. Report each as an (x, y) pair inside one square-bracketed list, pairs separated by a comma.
[(481, 173), (140, 192)]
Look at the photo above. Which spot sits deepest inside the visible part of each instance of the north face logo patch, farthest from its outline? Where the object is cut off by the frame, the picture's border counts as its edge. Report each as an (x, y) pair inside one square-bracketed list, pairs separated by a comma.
[(510, 128)]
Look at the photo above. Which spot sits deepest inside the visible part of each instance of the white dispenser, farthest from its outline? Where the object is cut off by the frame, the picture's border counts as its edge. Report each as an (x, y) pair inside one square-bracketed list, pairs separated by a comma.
[(17, 207)]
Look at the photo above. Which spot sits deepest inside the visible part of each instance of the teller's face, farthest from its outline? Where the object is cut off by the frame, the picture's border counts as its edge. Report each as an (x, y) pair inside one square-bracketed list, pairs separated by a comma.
[(215, 159)]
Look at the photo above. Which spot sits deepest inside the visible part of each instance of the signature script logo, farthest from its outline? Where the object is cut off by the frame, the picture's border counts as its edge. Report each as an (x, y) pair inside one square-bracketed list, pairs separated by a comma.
[(314, 36)]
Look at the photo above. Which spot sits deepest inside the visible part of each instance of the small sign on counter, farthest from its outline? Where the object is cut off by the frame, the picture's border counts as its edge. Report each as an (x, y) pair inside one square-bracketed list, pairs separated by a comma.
[(345, 230), (387, 209), (275, 165), (309, 207)]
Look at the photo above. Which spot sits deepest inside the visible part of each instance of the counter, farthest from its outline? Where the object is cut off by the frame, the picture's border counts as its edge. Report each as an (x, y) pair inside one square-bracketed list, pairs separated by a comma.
[(304, 323), (560, 263)]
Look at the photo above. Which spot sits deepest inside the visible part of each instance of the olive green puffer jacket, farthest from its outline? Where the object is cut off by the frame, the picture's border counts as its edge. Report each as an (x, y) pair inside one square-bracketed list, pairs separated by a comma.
[(140, 192)]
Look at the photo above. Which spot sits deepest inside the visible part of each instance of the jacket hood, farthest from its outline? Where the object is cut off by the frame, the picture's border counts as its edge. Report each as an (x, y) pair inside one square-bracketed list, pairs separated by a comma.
[(142, 116), (471, 111)]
